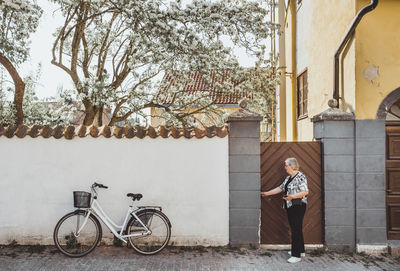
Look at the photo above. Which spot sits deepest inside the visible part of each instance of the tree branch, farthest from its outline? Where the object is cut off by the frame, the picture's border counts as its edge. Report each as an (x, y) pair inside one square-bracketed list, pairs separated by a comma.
[(104, 48), (19, 88)]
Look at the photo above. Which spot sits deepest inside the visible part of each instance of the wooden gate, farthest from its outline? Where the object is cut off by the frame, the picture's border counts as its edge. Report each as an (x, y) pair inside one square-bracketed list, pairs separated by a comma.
[(393, 180), (274, 223)]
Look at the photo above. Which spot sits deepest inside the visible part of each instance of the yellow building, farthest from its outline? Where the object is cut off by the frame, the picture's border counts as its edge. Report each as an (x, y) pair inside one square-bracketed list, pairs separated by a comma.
[(369, 63), (346, 52)]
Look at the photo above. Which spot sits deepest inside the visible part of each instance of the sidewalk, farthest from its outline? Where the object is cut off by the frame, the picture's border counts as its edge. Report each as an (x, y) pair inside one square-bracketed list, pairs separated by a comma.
[(193, 259)]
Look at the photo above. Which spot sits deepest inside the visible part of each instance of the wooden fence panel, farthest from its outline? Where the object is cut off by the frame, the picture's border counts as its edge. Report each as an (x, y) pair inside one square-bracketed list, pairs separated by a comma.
[(274, 223)]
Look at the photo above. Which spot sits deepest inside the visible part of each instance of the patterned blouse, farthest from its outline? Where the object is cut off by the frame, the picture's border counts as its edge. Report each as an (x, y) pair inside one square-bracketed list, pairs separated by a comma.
[(297, 185)]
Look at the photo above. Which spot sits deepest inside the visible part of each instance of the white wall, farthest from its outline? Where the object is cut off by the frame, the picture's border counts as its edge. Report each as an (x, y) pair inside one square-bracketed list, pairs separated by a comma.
[(188, 177)]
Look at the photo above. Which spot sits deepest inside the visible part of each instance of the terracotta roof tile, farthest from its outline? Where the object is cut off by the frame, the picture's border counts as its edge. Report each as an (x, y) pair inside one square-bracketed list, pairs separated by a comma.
[(34, 131), (151, 132), (129, 132), (21, 131), (70, 132), (210, 131), (106, 132), (94, 131), (140, 131), (199, 133), (221, 131), (10, 131), (187, 133), (58, 132), (118, 132), (82, 131), (175, 133), (163, 131), (46, 131), (199, 84)]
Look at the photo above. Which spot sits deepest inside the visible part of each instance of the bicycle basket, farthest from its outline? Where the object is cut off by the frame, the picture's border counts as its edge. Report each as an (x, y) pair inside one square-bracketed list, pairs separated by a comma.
[(81, 199)]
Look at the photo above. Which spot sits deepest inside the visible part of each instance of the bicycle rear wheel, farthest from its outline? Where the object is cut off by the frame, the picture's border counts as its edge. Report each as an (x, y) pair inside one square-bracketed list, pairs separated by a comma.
[(77, 245), (160, 234)]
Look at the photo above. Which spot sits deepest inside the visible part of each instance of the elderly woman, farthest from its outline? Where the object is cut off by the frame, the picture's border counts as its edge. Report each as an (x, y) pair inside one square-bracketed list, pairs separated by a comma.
[(295, 199)]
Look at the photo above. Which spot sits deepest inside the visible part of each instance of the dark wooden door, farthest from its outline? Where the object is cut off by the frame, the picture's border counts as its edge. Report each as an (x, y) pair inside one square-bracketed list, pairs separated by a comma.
[(274, 223), (393, 180)]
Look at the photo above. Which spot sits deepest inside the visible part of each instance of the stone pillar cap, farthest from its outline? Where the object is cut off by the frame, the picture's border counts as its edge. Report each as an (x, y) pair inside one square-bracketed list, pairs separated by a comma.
[(244, 114), (333, 114)]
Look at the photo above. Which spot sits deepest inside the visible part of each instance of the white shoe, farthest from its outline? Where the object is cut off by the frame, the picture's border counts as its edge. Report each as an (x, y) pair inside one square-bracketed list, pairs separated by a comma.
[(294, 260), (301, 254)]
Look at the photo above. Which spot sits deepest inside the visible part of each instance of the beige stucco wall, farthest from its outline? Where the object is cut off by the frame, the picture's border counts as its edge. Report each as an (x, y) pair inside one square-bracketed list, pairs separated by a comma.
[(304, 51), (370, 65), (377, 56), (289, 67), (320, 28)]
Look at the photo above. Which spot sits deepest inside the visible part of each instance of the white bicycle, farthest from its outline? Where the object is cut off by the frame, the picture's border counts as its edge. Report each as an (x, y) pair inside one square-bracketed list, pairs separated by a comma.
[(76, 234)]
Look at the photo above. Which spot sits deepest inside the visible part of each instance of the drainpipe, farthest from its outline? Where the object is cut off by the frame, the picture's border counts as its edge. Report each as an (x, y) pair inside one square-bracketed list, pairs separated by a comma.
[(293, 13), (350, 32), (282, 68)]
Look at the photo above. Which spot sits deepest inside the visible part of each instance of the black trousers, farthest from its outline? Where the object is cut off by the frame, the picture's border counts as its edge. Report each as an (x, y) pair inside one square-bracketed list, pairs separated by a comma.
[(295, 216)]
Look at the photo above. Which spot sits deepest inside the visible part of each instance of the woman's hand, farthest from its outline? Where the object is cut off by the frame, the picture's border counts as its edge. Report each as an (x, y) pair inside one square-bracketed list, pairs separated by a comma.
[(296, 196), (288, 197), (264, 194), (271, 192)]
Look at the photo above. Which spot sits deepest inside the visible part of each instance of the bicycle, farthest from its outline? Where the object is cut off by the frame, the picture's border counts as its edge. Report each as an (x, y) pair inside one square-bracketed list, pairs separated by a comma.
[(76, 234)]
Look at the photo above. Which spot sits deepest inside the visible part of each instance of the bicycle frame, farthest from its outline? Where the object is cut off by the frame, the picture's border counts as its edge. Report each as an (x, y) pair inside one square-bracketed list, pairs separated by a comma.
[(96, 209)]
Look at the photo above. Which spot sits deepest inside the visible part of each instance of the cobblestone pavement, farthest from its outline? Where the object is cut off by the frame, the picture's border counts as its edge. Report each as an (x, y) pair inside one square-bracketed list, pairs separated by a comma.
[(193, 259)]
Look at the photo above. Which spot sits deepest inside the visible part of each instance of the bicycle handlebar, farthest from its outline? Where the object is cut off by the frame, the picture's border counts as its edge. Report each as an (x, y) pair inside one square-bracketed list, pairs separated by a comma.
[(99, 185)]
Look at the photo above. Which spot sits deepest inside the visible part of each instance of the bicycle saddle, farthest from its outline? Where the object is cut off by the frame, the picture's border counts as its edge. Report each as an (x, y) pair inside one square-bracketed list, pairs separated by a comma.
[(134, 196)]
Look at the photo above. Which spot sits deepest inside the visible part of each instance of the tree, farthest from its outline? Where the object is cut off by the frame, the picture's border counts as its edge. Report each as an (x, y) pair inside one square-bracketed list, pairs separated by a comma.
[(18, 19), (48, 111), (7, 109), (115, 51)]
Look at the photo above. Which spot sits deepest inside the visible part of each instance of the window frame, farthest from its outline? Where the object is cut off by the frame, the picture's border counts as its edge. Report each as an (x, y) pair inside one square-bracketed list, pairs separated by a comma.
[(302, 114)]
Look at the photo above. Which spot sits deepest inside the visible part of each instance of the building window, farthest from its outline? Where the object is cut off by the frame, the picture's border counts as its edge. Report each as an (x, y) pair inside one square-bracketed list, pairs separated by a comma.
[(302, 95)]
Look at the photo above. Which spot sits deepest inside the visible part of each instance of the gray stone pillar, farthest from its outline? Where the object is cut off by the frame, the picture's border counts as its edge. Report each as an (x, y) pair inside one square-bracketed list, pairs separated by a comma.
[(244, 177), (354, 180), (335, 129), (370, 183)]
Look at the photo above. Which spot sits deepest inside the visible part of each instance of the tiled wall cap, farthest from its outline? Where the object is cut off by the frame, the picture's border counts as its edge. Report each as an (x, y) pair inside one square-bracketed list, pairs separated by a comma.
[(70, 132)]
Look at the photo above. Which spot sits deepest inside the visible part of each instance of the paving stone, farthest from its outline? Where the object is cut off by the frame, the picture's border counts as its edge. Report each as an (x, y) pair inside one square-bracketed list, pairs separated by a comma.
[(190, 259)]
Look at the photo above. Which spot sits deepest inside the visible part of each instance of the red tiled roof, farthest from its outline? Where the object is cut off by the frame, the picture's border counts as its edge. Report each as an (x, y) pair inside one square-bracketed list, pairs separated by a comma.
[(200, 84), (70, 132)]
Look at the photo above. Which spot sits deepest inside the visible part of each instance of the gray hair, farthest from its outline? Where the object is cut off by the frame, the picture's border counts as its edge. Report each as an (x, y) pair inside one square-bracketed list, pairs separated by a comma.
[(292, 162)]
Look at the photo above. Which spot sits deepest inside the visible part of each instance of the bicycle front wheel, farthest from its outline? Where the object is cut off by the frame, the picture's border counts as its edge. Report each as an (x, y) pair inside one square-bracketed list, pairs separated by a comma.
[(74, 244), (159, 237)]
